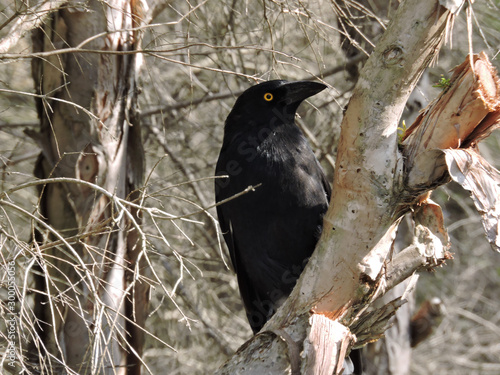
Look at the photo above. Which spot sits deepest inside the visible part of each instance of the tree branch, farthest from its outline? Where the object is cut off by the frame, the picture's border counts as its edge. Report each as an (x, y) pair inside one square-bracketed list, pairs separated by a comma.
[(342, 277), (27, 21)]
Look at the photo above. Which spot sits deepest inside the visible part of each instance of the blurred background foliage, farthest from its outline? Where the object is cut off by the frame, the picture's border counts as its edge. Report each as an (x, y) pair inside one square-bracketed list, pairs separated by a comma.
[(199, 56)]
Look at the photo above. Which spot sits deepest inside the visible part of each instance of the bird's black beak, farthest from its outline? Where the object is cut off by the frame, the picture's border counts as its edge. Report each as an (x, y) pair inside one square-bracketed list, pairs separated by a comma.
[(297, 91)]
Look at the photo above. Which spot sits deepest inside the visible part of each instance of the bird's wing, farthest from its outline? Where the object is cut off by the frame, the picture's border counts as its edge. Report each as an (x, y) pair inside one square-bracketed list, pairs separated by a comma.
[(252, 300), (311, 165), (326, 183), (227, 231)]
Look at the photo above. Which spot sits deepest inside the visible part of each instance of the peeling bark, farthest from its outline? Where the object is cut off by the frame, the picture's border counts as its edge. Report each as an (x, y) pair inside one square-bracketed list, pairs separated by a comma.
[(91, 132), (441, 143), (477, 176), (467, 111), (375, 183), (346, 273)]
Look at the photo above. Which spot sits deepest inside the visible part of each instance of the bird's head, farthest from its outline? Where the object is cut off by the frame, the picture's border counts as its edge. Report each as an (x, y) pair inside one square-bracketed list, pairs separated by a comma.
[(275, 101)]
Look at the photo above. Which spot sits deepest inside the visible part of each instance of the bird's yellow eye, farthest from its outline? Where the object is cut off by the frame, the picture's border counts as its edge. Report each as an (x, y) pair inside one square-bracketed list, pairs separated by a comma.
[(268, 96)]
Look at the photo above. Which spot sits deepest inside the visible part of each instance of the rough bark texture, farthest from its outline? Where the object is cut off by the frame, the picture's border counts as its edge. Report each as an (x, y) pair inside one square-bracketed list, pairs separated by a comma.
[(89, 131)]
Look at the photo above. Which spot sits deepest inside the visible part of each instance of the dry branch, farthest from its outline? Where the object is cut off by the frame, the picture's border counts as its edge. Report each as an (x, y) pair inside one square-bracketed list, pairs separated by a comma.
[(31, 18)]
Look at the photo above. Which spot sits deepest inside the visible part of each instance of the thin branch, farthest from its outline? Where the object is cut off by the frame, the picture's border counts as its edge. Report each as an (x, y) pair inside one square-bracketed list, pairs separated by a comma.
[(33, 17)]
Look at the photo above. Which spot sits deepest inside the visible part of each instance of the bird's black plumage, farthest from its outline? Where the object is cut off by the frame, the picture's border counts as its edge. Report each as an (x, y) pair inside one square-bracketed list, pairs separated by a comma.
[(273, 230)]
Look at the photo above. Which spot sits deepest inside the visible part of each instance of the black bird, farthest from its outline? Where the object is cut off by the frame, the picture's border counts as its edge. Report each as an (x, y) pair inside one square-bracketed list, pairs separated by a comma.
[(271, 231)]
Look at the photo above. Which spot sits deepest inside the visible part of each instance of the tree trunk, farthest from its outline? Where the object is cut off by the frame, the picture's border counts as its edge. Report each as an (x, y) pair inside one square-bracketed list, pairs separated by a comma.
[(93, 302), (345, 274)]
